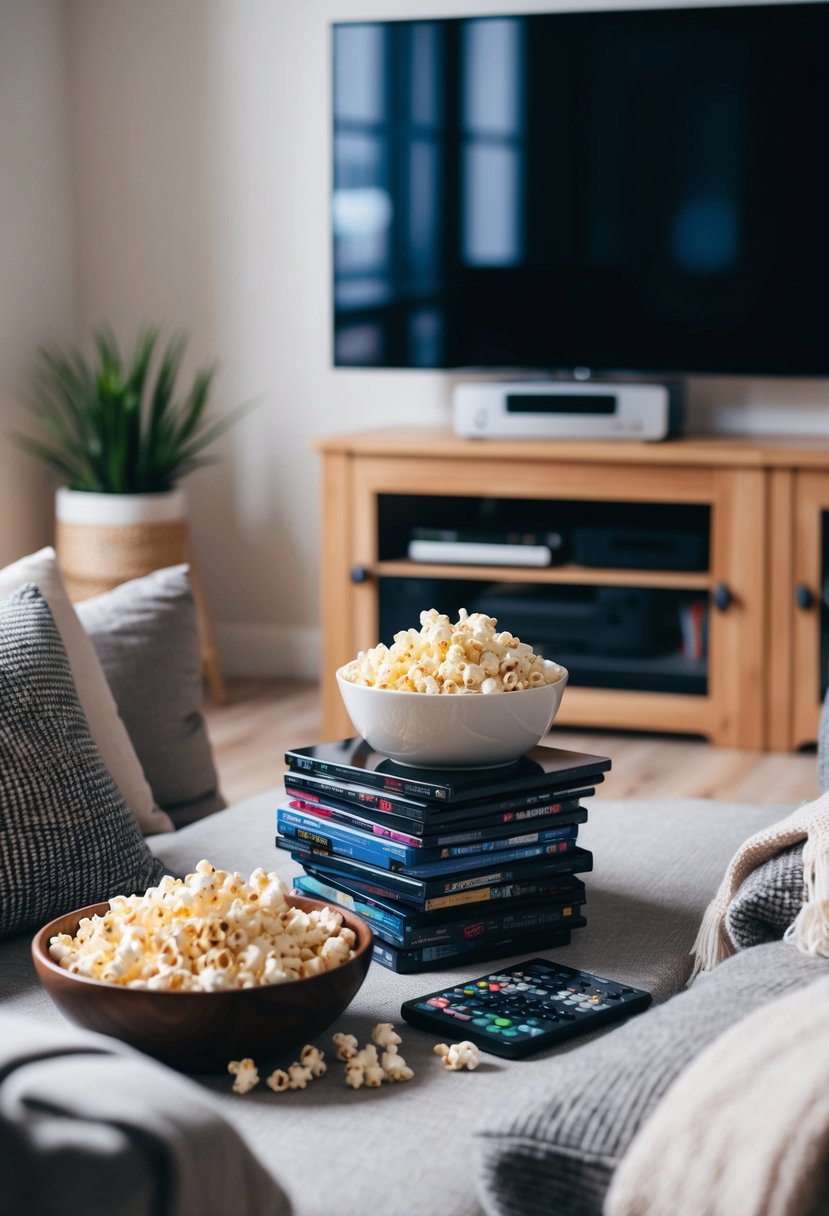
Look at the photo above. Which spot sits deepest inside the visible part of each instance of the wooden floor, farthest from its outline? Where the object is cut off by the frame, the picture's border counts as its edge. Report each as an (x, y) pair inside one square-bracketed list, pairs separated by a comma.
[(261, 719)]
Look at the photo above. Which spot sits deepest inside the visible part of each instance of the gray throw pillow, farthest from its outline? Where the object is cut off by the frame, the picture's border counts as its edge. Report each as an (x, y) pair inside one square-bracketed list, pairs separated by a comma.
[(67, 838), (768, 901), (555, 1146), (146, 637)]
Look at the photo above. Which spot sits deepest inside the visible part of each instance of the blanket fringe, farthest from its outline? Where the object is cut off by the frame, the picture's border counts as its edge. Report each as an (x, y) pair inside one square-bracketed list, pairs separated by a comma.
[(810, 928), (713, 944)]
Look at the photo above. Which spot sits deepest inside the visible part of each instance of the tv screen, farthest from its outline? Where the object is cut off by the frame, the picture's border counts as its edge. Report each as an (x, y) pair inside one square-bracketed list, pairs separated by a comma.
[(625, 192)]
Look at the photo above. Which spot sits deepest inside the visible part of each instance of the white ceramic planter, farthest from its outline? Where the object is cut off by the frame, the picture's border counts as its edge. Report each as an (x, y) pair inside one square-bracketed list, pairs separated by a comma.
[(119, 510)]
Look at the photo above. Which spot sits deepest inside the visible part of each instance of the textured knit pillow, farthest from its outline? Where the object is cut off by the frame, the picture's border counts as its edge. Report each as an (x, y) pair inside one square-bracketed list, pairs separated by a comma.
[(67, 838), (108, 731), (554, 1148), (768, 900), (146, 637)]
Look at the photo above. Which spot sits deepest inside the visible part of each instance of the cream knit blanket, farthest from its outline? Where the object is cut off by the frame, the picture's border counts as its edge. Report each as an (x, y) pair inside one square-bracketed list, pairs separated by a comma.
[(744, 1130), (810, 930)]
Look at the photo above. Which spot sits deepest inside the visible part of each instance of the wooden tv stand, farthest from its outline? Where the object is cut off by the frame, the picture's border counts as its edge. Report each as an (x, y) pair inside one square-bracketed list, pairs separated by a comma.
[(760, 506)]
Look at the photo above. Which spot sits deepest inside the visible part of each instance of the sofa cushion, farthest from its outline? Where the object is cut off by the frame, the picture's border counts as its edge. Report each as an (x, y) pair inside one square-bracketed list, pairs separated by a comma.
[(67, 837), (555, 1146), (94, 694), (87, 1126), (145, 633)]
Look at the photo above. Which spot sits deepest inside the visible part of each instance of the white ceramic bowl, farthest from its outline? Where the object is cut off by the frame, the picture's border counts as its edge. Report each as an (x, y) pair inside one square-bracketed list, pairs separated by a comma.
[(452, 730)]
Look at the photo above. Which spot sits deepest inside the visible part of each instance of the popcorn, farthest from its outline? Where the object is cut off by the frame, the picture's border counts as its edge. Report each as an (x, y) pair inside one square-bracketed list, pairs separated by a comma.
[(365, 1068), (395, 1067), (208, 932), (346, 1046), (467, 656), (384, 1035), (246, 1074), (278, 1081), (311, 1057), (459, 1055)]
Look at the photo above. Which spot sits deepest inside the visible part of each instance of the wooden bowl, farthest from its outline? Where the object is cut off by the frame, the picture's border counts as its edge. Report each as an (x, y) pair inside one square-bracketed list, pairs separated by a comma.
[(202, 1031)]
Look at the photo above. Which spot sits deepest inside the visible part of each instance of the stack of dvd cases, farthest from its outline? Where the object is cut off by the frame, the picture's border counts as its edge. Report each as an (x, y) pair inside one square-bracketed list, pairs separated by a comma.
[(445, 865)]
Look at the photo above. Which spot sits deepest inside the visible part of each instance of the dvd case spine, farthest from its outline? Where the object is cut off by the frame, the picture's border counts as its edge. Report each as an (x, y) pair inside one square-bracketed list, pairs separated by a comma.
[(365, 888), (579, 861), (408, 962), (391, 854), (423, 820)]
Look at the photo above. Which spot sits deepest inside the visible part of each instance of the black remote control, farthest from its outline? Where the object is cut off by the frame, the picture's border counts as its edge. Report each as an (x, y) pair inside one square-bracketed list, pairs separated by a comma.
[(531, 1006)]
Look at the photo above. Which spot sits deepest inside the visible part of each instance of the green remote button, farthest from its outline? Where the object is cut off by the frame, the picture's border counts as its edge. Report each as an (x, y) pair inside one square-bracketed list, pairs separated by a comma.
[(503, 1022)]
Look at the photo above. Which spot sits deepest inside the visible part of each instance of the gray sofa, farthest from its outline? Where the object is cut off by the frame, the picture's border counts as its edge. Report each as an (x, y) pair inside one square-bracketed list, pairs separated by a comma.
[(463, 1143), (103, 746)]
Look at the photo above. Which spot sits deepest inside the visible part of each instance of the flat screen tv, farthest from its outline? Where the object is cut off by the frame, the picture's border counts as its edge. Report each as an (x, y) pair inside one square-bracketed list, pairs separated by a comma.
[(626, 192)]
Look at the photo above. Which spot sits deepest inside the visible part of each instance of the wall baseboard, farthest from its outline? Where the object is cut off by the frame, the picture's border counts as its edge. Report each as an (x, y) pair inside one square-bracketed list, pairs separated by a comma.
[(288, 652)]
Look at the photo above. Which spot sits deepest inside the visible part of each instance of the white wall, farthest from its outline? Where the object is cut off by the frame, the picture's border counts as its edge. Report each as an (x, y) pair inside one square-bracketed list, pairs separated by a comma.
[(201, 150), (36, 268)]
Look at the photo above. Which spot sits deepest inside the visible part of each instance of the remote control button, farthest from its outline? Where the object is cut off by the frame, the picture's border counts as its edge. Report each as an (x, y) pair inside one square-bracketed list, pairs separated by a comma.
[(469, 990), (482, 984), (493, 1029), (484, 1022), (510, 1034), (439, 1001), (494, 987), (503, 1022), (463, 1017), (533, 1021)]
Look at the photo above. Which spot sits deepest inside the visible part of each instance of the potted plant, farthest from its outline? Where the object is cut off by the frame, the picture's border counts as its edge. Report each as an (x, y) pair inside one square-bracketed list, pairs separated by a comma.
[(121, 440)]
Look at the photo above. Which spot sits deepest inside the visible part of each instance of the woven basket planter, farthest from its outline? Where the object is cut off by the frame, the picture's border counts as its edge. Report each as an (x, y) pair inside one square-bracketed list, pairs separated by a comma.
[(106, 539)]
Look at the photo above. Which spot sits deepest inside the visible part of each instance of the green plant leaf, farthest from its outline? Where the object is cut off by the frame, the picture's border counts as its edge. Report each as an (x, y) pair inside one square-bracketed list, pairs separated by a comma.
[(116, 425)]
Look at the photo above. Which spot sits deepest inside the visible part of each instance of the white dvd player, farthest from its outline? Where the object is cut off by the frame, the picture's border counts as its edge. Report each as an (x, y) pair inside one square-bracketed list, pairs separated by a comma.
[(561, 410)]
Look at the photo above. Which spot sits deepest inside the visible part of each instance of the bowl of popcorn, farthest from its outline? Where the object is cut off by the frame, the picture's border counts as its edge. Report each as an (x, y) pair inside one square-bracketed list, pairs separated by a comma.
[(452, 694), (207, 968)]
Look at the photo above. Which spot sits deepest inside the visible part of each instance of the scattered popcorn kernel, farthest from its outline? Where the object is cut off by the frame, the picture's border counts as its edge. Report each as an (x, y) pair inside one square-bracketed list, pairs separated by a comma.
[(278, 1081), (208, 932), (394, 1066), (468, 656), (459, 1055), (373, 1076), (384, 1035), (246, 1074), (311, 1057), (354, 1077), (299, 1076), (346, 1046)]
